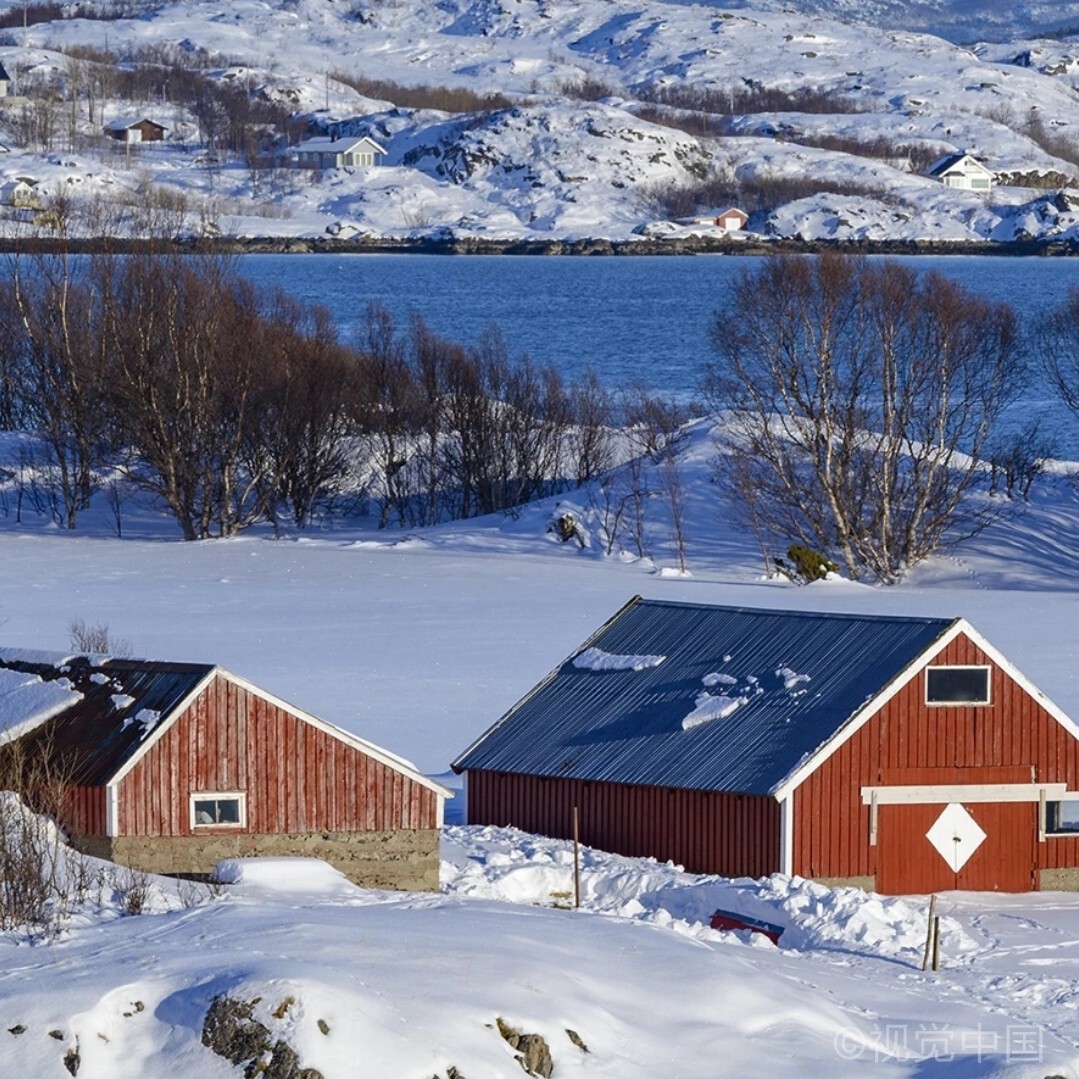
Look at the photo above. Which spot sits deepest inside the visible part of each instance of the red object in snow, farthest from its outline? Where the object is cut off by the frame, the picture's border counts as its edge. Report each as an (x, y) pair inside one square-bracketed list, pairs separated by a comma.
[(725, 919)]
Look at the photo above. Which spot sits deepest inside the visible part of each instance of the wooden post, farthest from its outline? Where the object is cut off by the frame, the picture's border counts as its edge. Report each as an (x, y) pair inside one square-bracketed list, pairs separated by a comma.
[(929, 932), (576, 860), (936, 942)]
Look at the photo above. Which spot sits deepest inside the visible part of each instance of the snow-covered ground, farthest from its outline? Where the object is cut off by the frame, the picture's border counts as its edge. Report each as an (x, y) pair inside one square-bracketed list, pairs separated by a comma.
[(418, 641), (554, 167), (396, 985)]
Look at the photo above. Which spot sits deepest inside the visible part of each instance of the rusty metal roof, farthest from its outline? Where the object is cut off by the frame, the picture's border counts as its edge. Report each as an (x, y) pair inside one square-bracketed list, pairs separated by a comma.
[(122, 700), (739, 700)]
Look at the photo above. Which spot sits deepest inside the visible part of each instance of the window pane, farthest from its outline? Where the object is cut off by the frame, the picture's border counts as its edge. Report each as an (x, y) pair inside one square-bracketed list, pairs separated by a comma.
[(217, 810), (1064, 817), (964, 685)]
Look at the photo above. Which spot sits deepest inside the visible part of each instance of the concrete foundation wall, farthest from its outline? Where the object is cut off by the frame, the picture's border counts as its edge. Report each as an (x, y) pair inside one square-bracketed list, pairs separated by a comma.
[(1058, 880), (405, 859), (867, 884)]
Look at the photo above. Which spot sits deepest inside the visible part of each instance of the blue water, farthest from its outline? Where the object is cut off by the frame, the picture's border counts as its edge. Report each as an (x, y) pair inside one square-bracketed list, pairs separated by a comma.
[(630, 319)]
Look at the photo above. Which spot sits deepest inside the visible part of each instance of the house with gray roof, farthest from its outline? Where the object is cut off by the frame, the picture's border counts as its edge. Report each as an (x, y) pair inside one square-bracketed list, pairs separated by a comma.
[(333, 152), (898, 754)]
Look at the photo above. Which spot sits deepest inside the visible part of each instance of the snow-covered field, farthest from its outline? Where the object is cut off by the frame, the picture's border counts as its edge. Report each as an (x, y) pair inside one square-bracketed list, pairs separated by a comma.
[(396, 986), (418, 641), (554, 167)]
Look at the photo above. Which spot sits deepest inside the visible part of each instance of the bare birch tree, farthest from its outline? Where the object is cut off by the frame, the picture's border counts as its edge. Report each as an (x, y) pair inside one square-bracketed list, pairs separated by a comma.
[(859, 399)]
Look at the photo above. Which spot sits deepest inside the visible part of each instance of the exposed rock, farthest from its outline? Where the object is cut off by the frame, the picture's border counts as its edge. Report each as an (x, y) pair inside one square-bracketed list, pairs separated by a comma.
[(533, 1053), (232, 1032), (323, 1026), (72, 1060), (576, 1039), (17, 1029)]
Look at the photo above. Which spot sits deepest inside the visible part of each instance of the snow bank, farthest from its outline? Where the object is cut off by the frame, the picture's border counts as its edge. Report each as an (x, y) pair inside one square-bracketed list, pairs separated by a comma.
[(285, 875), (513, 866)]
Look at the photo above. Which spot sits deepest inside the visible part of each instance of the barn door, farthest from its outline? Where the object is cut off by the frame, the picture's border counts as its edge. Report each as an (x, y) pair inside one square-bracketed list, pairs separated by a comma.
[(934, 847)]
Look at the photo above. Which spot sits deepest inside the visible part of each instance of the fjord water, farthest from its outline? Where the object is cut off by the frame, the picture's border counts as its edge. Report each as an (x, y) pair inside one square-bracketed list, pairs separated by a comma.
[(631, 319)]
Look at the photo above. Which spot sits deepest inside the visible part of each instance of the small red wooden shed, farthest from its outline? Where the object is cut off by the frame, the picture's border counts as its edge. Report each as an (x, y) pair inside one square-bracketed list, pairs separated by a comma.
[(897, 754), (174, 766)]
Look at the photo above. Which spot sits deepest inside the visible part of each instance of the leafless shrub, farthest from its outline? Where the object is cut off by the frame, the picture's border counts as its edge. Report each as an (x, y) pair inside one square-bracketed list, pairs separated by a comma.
[(1018, 458), (132, 888), (753, 97), (96, 639), (35, 885), (1055, 143), (194, 893), (756, 194), (917, 157), (442, 98), (587, 88)]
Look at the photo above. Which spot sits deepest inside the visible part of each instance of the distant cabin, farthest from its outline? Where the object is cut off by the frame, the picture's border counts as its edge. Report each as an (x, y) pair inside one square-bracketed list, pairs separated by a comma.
[(730, 220), (962, 171), (6, 86), (135, 129), (330, 152)]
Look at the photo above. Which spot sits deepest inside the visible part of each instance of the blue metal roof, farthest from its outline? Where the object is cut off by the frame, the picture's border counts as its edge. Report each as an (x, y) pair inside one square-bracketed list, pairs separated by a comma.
[(779, 684)]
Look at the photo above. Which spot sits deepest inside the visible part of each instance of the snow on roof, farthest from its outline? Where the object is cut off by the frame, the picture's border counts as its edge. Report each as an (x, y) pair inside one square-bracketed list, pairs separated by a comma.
[(323, 143), (122, 123), (950, 162), (595, 659), (27, 701)]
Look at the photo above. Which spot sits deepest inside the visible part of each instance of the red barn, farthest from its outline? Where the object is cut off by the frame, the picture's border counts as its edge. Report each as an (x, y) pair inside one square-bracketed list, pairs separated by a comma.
[(897, 754), (174, 766)]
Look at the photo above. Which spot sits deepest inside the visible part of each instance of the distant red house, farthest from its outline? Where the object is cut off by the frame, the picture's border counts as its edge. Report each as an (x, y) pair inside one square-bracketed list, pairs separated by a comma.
[(175, 766), (896, 754), (135, 129)]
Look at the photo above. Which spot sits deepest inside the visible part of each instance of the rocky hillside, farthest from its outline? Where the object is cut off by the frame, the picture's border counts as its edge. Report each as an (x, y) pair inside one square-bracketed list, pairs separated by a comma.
[(551, 120)]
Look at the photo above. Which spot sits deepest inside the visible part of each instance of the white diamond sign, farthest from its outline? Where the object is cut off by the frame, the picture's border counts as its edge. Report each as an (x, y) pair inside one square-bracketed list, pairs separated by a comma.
[(956, 835)]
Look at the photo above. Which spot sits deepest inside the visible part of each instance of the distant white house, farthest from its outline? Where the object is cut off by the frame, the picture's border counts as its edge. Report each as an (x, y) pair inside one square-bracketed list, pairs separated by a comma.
[(961, 170), (20, 193), (331, 152), (5, 82)]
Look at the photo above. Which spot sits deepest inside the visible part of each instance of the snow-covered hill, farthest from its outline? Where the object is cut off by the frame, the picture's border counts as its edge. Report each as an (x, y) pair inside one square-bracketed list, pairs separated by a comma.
[(553, 166)]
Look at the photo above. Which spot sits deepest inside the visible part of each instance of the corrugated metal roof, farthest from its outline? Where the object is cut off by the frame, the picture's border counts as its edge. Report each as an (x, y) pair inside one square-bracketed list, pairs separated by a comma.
[(95, 736), (791, 680)]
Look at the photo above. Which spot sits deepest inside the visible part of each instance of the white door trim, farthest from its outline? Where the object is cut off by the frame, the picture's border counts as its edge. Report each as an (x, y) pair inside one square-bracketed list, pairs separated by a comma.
[(936, 794)]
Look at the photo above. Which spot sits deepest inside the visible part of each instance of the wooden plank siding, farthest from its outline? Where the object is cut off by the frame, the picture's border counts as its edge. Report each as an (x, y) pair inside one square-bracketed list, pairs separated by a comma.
[(1011, 740), (705, 831), (297, 778), (84, 811)]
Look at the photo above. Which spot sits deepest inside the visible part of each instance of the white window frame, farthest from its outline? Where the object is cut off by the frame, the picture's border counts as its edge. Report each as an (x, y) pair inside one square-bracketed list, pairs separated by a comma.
[(1046, 813), (959, 667), (218, 796)]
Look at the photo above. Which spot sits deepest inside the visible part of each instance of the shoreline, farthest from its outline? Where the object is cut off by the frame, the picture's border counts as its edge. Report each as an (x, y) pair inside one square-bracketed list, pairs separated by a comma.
[(699, 245)]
